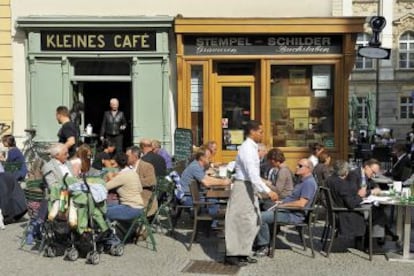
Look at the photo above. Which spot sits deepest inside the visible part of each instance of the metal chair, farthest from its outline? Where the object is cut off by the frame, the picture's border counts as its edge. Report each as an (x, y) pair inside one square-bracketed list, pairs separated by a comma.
[(309, 221), (330, 229), (164, 209), (141, 223)]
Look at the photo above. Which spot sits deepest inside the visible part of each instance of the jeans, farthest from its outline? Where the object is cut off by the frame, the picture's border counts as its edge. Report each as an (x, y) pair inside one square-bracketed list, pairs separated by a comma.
[(263, 237), (122, 212), (212, 209)]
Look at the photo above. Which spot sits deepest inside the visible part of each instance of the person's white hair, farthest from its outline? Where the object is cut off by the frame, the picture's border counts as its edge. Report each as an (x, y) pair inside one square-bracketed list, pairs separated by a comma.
[(114, 100), (55, 149)]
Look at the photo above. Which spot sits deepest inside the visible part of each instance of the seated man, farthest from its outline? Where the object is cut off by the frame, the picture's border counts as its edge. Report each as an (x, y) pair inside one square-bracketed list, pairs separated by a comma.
[(361, 183), (129, 189), (146, 175), (301, 197), (151, 157), (58, 166), (401, 168), (53, 172), (344, 195), (196, 170)]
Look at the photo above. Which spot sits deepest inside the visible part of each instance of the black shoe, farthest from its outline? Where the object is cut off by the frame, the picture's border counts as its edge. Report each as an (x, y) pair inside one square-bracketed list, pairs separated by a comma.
[(247, 260), (233, 260)]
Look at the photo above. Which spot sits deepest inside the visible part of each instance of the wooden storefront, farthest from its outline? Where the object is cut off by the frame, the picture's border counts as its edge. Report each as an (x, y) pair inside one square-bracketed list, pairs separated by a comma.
[(289, 73)]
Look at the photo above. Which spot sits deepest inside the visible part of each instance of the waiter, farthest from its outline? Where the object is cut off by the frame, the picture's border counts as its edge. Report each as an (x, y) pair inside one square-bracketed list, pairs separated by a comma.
[(113, 125), (243, 214)]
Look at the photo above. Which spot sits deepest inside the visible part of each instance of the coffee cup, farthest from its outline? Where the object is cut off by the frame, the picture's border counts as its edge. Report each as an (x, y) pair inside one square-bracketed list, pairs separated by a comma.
[(223, 171), (397, 186)]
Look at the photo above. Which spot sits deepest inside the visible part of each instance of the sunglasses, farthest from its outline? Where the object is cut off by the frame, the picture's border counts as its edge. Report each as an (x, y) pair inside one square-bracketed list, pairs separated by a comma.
[(299, 166)]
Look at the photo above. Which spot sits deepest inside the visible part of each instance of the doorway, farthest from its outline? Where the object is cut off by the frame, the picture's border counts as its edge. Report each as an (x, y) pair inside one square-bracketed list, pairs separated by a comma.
[(96, 96), (236, 101)]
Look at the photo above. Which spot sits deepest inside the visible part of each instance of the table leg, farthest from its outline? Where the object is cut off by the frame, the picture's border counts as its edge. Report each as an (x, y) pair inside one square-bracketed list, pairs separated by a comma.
[(407, 232), (405, 237), (399, 223)]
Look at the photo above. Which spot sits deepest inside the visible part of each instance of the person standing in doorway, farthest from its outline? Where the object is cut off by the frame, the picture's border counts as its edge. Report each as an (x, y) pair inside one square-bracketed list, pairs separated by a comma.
[(75, 115), (242, 221), (113, 125), (67, 133)]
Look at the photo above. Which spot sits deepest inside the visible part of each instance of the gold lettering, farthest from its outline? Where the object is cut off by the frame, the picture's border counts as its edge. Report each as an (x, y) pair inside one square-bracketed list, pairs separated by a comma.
[(82, 41), (144, 41), (101, 41), (58, 41), (91, 41), (66, 41), (50, 41), (127, 42), (117, 42)]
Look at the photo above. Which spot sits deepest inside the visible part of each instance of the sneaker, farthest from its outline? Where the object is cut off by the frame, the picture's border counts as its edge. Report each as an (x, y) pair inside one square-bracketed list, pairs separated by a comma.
[(262, 251), (2, 227)]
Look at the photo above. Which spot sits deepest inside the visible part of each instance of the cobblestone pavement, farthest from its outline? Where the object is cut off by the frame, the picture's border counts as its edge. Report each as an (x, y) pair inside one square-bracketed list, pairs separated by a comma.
[(172, 257)]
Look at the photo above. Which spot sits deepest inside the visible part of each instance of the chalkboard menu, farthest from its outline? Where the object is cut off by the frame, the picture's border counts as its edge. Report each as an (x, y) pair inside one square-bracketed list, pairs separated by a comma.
[(183, 144)]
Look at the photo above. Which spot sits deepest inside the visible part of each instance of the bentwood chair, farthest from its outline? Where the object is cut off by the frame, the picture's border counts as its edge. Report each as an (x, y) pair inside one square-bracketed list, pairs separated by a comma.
[(331, 223), (200, 213), (307, 224)]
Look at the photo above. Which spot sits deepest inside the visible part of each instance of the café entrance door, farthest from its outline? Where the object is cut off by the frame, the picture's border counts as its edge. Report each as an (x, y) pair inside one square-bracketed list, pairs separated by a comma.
[(235, 105)]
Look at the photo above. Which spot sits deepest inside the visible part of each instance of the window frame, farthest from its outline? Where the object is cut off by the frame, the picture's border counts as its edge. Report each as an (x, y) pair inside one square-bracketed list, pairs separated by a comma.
[(407, 51)]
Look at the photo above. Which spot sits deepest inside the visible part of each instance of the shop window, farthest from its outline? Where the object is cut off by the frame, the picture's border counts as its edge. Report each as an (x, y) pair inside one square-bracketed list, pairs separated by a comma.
[(406, 108), (196, 88), (406, 50), (363, 62), (362, 112), (102, 67), (302, 105)]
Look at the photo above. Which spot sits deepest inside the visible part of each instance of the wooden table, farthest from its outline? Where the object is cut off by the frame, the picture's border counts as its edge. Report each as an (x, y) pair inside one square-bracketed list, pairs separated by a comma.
[(220, 194)]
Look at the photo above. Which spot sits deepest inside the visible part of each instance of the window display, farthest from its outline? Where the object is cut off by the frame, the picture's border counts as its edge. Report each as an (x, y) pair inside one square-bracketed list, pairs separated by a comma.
[(302, 105)]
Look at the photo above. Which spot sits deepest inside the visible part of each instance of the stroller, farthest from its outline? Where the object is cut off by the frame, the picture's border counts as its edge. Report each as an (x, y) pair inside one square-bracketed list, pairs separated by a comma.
[(76, 226)]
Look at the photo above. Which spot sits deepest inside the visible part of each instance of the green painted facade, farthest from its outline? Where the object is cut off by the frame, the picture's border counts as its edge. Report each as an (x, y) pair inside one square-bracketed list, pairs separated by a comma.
[(51, 74)]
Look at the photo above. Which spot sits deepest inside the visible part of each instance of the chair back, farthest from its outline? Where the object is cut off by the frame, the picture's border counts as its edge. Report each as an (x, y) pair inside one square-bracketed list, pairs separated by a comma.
[(195, 194), (310, 214), (195, 191), (179, 166), (327, 200), (12, 167)]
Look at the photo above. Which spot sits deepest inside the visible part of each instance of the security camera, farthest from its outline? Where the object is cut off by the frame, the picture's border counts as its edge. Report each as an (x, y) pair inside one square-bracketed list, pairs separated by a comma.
[(377, 24)]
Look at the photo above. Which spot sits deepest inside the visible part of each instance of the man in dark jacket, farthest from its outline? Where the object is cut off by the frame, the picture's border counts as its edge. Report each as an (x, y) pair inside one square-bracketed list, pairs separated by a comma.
[(344, 195), (113, 125), (361, 183), (401, 169), (149, 156)]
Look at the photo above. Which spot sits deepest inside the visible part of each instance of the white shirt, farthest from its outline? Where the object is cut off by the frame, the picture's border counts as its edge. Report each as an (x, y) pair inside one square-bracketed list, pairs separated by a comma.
[(314, 160), (64, 169), (248, 165)]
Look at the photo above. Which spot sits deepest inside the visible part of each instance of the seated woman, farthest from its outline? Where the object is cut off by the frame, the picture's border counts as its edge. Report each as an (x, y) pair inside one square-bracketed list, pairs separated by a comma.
[(156, 145), (104, 158), (323, 170), (129, 189), (14, 155), (280, 177), (81, 162), (315, 150)]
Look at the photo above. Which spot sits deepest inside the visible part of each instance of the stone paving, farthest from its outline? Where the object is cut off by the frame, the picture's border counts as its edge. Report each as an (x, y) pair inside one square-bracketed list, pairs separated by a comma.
[(172, 256)]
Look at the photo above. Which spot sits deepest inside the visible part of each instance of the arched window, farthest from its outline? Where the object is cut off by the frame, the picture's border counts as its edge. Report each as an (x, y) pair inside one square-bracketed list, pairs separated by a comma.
[(363, 62), (407, 50)]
